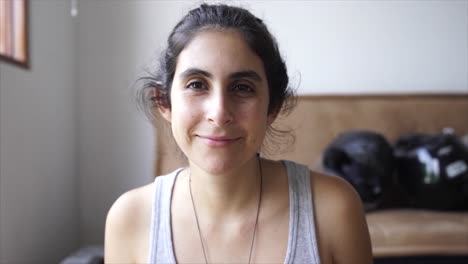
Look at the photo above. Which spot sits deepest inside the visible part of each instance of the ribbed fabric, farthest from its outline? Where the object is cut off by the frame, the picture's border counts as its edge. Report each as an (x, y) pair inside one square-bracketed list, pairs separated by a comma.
[(161, 249), (302, 241)]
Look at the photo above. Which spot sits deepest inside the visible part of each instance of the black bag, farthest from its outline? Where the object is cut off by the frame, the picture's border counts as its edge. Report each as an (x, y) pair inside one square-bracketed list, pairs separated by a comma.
[(364, 159), (433, 170)]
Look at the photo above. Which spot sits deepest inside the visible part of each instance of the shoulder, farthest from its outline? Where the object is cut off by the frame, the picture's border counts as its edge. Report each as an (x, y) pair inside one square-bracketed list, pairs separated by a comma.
[(332, 190), (340, 220), (130, 203), (127, 221)]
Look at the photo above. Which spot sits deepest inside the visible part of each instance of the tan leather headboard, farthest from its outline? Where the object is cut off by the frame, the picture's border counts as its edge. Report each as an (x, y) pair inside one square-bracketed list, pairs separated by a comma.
[(317, 120)]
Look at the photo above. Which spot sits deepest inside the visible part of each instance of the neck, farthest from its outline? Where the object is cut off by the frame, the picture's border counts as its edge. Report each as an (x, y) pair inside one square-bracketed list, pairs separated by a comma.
[(228, 194)]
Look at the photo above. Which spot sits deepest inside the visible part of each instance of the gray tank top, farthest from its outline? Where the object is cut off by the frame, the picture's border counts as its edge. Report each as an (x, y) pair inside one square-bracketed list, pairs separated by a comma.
[(302, 241)]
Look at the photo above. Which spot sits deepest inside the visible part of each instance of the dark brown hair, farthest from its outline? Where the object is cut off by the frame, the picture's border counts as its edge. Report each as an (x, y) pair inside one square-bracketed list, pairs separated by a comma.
[(156, 89)]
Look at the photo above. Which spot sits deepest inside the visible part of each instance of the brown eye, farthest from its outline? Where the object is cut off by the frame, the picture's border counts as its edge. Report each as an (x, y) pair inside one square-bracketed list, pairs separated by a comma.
[(243, 89), (196, 85)]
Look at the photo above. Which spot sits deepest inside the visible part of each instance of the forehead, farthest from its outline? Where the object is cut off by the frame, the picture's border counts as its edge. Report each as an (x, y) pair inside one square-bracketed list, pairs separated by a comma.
[(219, 52)]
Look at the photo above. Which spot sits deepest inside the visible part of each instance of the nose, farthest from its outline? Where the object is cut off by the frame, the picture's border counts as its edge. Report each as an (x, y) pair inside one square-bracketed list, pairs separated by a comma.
[(219, 109)]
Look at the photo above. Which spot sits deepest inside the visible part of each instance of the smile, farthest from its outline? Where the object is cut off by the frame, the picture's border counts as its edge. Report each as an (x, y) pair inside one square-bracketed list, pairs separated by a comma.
[(216, 141)]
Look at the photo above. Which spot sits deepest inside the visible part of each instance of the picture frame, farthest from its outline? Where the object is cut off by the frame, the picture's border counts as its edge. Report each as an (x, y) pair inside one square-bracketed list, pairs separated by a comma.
[(14, 43)]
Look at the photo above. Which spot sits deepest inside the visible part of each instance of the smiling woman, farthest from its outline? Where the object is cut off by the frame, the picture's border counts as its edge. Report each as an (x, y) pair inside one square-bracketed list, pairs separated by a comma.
[(220, 85), (221, 82)]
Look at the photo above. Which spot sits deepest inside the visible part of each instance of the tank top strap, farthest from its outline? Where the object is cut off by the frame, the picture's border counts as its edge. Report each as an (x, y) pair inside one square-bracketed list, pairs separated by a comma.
[(160, 246), (302, 244)]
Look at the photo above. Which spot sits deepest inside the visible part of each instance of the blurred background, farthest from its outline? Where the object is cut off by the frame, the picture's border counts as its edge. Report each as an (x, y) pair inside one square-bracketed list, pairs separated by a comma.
[(72, 139)]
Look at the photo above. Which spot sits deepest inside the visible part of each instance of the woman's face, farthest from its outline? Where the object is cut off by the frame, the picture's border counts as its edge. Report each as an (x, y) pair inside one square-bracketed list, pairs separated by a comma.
[(219, 101)]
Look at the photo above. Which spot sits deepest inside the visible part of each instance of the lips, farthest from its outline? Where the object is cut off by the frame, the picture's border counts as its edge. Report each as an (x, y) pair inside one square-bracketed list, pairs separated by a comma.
[(218, 141)]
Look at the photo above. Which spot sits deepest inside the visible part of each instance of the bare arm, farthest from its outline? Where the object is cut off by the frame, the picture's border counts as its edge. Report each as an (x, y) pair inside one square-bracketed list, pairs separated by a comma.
[(118, 234), (341, 222)]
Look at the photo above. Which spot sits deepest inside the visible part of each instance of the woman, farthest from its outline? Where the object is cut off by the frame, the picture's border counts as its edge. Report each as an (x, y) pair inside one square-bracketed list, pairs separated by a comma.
[(220, 86)]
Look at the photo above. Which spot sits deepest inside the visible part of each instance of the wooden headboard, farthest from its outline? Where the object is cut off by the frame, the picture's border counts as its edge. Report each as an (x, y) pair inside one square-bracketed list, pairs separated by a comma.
[(317, 120)]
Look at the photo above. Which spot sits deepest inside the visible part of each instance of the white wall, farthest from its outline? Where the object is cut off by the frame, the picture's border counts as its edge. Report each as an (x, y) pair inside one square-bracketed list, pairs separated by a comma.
[(337, 47), (38, 186), (116, 143), (380, 46)]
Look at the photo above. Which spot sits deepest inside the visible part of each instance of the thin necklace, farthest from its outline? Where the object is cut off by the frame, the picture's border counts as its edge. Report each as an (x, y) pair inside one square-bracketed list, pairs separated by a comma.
[(256, 217)]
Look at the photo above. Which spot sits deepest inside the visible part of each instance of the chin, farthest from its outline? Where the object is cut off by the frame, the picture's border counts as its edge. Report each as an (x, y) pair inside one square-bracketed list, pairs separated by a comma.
[(217, 165)]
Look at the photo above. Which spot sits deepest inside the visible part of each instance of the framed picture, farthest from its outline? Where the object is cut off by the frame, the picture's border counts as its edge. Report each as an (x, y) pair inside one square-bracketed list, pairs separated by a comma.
[(14, 32)]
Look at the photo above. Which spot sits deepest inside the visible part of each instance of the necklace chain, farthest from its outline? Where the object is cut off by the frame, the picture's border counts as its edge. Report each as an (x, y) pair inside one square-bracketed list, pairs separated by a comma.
[(256, 217)]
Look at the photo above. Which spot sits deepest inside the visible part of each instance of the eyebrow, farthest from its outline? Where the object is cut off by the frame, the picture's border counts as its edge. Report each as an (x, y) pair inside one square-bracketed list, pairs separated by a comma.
[(193, 72), (235, 75), (246, 74)]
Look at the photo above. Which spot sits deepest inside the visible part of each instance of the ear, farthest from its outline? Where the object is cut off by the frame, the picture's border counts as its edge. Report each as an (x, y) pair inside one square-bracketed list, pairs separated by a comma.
[(271, 117), (166, 113)]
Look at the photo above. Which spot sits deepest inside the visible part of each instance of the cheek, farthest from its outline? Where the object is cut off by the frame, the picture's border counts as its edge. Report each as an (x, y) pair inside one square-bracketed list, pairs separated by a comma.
[(183, 116), (257, 118)]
